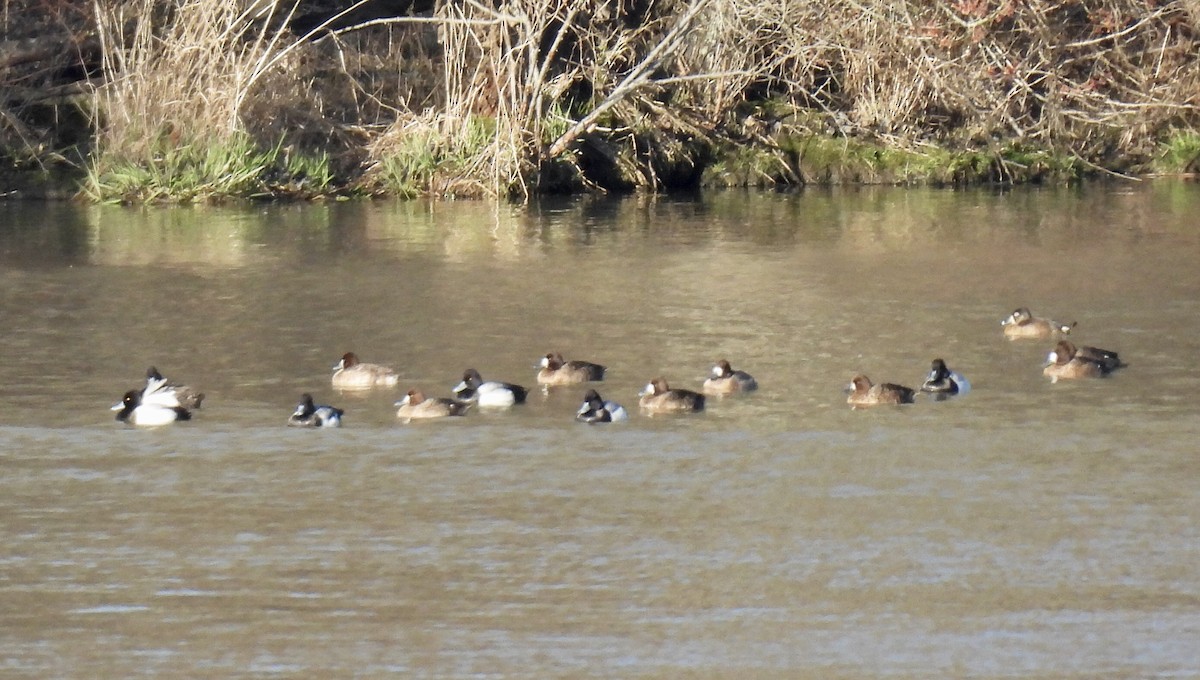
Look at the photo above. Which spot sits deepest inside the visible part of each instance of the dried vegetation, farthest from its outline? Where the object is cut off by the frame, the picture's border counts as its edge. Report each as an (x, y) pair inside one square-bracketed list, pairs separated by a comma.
[(199, 98)]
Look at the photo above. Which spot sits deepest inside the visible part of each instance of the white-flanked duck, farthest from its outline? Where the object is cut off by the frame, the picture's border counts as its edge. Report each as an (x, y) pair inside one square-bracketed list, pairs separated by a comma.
[(943, 382), (596, 410), (310, 414), (474, 388), (134, 410)]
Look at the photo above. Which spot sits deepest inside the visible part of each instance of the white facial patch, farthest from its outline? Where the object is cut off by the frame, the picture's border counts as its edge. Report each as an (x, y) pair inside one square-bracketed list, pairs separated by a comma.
[(1052, 358), (717, 372), (545, 362)]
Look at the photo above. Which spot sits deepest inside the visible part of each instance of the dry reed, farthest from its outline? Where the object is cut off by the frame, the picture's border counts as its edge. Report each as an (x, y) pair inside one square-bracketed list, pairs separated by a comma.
[(534, 84)]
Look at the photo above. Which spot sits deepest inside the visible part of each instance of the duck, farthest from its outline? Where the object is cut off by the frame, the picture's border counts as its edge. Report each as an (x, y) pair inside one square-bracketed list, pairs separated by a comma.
[(1023, 324), (864, 393), (725, 380), (474, 388), (1107, 359), (416, 405), (596, 410), (349, 373), (943, 382), (658, 397), (134, 410), (309, 414), (169, 393), (556, 371), (1066, 361)]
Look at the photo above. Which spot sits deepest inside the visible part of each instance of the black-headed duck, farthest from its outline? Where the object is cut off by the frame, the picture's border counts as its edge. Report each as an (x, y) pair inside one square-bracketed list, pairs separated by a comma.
[(310, 414), (943, 382), (134, 410), (596, 410), (474, 388)]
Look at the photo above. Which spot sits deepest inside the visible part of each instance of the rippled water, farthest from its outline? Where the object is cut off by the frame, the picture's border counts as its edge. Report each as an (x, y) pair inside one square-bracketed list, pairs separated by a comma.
[(1025, 529)]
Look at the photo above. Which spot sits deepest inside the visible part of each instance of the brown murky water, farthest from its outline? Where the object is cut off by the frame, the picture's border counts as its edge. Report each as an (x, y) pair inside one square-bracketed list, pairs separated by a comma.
[(1024, 529)]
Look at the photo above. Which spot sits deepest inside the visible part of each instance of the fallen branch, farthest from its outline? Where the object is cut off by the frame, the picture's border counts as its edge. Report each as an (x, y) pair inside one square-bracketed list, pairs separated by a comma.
[(637, 79)]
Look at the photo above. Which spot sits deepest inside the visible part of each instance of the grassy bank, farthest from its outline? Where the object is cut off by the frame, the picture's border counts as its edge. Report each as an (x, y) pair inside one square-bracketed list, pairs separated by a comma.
[(202, 100)]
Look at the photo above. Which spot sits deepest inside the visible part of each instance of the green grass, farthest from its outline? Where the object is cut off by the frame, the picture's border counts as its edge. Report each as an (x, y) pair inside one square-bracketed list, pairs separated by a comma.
[(463, 162), (199, 172), (410, 166), (825, 159), (1180, 153)]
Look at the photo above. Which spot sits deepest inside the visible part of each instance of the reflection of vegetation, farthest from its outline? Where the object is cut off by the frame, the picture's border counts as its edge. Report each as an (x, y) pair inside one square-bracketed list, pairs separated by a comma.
[(167, 238), (484, 231), (1182, 203), (59, 229), (204, 236)]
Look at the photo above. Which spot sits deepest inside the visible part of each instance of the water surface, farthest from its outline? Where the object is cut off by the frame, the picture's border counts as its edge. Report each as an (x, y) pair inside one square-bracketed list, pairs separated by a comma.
[(1025, 529)]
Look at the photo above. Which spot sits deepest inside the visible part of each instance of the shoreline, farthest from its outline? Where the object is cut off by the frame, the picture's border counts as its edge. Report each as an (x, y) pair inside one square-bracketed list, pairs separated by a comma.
[(158, 102), (796, 163)]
